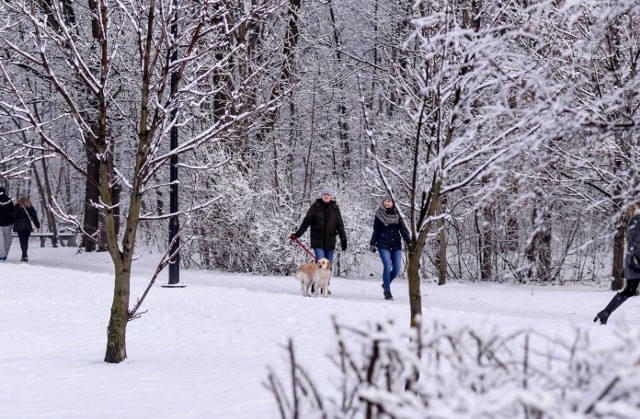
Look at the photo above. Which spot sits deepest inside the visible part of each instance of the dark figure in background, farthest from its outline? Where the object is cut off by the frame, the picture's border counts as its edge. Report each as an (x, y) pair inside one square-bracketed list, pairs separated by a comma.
[(26, 219), (6, 220), (631, 266), (388, 232)]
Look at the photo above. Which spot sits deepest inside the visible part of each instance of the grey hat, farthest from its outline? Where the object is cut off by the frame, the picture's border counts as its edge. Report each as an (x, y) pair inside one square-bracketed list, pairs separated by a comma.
[(326, 191), (387, 196)]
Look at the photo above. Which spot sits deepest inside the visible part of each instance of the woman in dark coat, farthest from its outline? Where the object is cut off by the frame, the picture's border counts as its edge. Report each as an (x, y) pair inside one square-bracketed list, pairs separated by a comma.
[(387, 231), (24, 215), (326, 223), (631, 266)]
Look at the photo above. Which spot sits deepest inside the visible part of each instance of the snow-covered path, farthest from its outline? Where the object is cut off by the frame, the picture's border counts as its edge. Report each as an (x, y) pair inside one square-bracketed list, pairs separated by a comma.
[(202, 351)]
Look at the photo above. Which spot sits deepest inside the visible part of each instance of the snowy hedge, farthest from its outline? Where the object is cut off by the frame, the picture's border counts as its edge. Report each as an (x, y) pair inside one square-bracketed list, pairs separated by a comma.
[(445, 372)]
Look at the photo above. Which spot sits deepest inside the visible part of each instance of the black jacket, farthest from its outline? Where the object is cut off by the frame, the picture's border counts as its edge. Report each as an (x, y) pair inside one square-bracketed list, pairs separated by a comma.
[(632, 257), (6, 210), (326, 222), (387, 236), (22, 223)]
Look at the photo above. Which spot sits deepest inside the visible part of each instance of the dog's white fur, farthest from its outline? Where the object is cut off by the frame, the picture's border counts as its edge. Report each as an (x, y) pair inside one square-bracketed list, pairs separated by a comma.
[(316, 274)]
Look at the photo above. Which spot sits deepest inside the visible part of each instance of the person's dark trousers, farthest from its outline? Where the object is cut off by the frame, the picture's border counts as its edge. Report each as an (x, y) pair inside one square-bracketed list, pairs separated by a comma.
[(24, 243), (617, 300)]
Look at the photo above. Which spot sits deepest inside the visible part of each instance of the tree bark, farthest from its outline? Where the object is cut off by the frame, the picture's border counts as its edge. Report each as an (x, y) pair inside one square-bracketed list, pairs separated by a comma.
[(92, 192), (441, 257), (618, 257), (91, 195), (117, 329), (413, 276), (486, 251)]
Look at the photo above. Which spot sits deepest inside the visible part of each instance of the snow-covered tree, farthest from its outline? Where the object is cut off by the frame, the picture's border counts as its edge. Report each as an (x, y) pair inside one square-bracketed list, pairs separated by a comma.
[(123, 74)]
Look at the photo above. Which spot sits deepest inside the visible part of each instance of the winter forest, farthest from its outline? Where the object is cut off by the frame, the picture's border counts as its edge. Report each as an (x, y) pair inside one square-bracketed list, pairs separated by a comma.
[(506, 131)]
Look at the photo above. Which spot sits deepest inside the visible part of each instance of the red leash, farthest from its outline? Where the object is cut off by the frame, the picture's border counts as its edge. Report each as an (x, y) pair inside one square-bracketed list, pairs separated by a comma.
[(295, 239)]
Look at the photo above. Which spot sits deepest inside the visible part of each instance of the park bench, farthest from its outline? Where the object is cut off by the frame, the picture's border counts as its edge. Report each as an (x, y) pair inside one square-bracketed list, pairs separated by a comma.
[(66, 238)]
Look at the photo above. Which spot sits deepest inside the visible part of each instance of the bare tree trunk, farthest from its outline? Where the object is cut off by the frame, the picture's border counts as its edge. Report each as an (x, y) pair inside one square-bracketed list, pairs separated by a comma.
[(92, 193), (307, 163), (441, 257), (538, 252), (45, 196), (544, 253), (117, 328), (45, 191), (442, 254), (48, 196), (91, 196), (413, 276), (343, 125), (122, 259), (618, 257), (486, 249), (617, 263)]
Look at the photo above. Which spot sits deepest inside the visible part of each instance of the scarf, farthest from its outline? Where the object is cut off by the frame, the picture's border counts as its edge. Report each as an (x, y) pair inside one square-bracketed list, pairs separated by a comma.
[(387, 216)]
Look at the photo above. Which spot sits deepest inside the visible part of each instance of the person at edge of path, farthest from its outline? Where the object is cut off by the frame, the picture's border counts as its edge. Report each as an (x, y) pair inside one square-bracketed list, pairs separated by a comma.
[(24, 215), (388, 230), (6, 222), (631, 266), (325, 220)]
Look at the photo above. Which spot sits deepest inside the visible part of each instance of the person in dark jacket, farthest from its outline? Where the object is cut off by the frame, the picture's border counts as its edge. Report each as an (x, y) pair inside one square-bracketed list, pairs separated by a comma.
[(25, 217), (6, 221), (388, 232), (326, 223), (631, 266)]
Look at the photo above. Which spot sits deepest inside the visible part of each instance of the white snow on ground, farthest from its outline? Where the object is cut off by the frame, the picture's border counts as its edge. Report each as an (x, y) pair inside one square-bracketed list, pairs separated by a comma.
[(202, 351)]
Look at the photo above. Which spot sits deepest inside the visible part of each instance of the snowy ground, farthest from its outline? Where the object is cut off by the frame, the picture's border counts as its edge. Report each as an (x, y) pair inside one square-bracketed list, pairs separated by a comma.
[(203, 351)]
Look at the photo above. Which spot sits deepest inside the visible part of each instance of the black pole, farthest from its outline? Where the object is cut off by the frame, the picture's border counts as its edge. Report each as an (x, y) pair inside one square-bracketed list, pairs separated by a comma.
[(174, 223)]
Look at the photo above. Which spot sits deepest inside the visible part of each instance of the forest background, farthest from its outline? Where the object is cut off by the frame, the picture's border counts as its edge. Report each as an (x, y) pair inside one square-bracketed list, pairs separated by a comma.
[(506, 131)]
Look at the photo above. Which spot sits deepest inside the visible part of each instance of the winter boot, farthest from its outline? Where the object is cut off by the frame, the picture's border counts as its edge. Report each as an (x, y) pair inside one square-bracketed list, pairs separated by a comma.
[(387, 295), (24, 259), (615, 302)]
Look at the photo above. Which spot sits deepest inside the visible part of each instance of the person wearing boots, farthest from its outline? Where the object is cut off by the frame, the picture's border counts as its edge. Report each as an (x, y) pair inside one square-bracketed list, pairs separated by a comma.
[(388, 229), (26, 220), (6, 221), (631, 266), (325, 220)]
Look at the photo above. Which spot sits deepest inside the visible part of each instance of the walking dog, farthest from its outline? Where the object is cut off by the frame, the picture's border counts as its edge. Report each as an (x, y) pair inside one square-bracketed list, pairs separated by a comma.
[(316, 274)]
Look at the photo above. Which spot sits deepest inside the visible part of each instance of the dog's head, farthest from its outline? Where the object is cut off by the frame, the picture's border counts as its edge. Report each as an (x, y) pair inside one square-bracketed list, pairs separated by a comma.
[(324, 264)]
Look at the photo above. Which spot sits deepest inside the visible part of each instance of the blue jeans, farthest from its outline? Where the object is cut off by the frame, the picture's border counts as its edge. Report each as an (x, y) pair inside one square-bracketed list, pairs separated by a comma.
[(391, 260), (323, 253)]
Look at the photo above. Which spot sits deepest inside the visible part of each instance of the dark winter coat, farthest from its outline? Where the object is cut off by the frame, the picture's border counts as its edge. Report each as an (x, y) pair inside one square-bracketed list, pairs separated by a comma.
[(387, 236), (22, 223), (632, 257), (326, 222), (6, 209)]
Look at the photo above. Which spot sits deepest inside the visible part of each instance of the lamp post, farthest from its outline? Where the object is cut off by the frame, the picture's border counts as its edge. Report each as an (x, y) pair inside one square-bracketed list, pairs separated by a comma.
[(174, 223)]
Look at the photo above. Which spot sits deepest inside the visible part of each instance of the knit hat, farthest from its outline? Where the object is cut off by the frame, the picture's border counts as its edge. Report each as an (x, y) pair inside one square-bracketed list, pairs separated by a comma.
[(387, 196), (326, 191)]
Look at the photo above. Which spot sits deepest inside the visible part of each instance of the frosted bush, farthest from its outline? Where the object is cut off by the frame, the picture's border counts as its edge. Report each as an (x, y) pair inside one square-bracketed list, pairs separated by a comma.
[(454, 371)]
